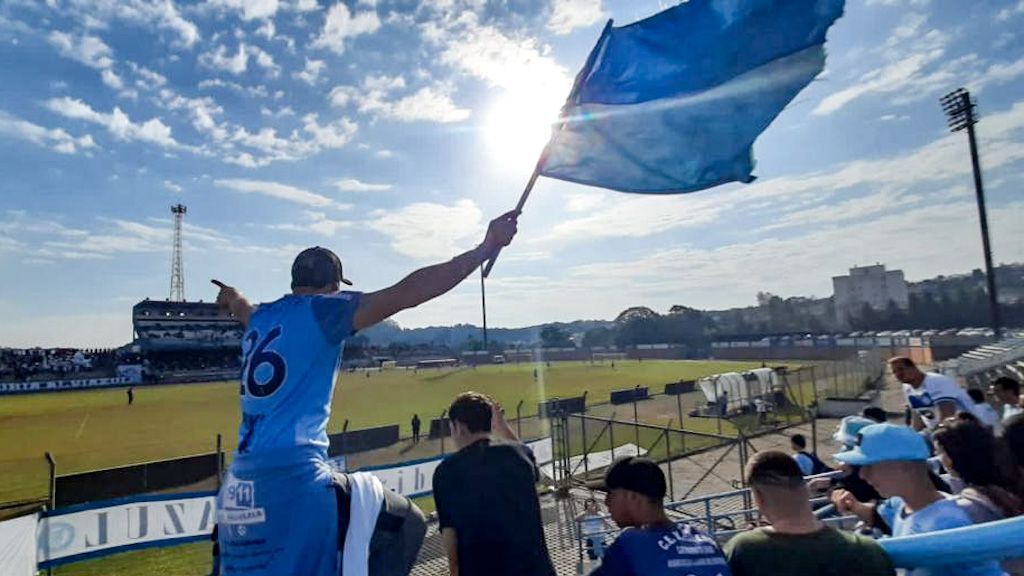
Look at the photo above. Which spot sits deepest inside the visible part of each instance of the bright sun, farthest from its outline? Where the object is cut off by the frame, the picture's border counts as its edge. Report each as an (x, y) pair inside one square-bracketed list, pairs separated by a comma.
[(519, 125)]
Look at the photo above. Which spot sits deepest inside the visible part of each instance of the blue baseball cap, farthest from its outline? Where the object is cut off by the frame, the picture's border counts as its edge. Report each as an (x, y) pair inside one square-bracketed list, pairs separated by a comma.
[(885, 443)]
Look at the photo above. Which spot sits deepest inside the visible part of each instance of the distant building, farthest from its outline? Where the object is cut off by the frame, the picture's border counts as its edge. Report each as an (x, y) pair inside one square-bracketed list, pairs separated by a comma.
[(871, 285)]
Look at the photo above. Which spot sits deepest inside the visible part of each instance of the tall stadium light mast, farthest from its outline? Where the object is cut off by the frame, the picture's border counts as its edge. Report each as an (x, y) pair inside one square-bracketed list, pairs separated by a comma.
[(177, 269), (959, 109)]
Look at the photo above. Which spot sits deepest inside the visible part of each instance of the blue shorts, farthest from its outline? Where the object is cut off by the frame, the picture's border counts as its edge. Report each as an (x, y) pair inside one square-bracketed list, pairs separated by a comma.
[(277, 514)]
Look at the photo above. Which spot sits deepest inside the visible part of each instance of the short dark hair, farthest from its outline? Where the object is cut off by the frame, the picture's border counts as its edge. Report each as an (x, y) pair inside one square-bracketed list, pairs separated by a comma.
[(874, 413), (472, 410), (773, 468), (637, 474), (1008, 384), (976, 395), (903, 361), (799, 441)]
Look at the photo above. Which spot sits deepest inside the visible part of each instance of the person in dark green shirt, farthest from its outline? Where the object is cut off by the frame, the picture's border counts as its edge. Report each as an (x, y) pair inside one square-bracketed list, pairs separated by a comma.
[(796, 543)]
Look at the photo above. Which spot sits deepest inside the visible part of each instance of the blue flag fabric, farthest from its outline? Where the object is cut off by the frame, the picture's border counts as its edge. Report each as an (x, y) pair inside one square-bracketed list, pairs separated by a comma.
[(673, 103)]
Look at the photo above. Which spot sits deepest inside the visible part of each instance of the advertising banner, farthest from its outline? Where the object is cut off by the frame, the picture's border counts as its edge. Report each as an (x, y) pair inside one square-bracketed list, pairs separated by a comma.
[(79, 532)]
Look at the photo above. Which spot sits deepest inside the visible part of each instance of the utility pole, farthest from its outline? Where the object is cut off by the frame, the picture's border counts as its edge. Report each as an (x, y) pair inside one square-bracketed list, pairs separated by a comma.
[(959, 109)]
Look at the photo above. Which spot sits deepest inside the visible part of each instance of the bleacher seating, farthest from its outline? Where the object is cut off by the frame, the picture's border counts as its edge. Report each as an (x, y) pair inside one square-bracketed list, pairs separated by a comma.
[(984, 363)]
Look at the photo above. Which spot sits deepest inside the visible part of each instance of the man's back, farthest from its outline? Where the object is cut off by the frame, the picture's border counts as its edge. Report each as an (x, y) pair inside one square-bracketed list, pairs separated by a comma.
[(763, 551), (487, 494), (667, 551), (291, 352)]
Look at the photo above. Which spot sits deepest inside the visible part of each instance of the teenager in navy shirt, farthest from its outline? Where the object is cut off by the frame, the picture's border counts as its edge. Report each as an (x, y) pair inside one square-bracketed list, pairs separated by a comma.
[(652, 544)]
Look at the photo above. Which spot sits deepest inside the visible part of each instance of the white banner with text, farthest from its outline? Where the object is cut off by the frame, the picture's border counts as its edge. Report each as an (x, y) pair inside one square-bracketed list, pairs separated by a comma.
[(80, 532)]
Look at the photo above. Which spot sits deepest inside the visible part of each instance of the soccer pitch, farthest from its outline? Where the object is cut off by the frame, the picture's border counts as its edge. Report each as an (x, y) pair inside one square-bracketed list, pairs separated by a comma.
[(95, 429)]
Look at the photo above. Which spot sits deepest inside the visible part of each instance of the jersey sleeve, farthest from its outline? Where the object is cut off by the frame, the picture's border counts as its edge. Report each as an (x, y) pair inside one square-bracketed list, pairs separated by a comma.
[(334, 314)]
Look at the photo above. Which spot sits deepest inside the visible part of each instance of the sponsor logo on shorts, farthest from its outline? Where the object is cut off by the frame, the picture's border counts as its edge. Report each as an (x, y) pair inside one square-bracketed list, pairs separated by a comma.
[(240, 504)]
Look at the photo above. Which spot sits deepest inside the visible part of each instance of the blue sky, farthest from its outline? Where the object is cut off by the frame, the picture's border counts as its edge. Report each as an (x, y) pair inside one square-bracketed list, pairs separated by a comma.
[(392, 130)]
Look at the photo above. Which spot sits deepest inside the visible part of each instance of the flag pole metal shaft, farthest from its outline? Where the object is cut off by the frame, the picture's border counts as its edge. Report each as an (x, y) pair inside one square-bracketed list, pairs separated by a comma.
[(577, 83), (519, 207)]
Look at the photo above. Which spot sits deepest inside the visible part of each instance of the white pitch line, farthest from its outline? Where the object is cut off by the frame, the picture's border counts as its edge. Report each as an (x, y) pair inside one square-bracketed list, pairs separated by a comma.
[(82, 425)]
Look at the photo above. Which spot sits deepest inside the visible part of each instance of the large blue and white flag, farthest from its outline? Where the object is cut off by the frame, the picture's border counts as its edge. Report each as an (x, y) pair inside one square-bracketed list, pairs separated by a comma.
[(673, 103)]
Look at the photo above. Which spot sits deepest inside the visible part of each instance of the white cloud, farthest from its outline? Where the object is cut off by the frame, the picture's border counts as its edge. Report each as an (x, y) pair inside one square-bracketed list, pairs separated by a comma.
[(158, 14), (516, 64), (146, 78), (116, 122), (173, 187), (567, 15), (354, 185), (86, 49), (429, 104), (413, 230), (340, 24), (257, 91), (111, 79), (220, 59), (331, 135), (264, 60), (932, 167), (384, 153), (311, 73), (250, 9), (266, 30), (909, 53), (284, 111), (57, 139), (303, 5), (201, 110), (917, 65), (275, 190), (722, 276), (1007, 13), (316, 222), (376, 96)]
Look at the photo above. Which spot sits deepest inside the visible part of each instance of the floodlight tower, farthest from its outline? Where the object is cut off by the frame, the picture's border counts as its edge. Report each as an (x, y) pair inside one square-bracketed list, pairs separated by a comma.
[(959, 109), (177, 269)]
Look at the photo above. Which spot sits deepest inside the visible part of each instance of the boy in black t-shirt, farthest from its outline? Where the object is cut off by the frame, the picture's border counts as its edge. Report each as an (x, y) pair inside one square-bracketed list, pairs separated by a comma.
[(486, 496)]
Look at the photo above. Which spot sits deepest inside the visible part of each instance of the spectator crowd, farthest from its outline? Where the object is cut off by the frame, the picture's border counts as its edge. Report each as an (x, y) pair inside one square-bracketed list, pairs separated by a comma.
[(958, 461), (52, 363)]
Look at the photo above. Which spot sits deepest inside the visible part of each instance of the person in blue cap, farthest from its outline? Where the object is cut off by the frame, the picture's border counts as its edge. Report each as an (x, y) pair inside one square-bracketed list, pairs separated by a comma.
[(893, 459)]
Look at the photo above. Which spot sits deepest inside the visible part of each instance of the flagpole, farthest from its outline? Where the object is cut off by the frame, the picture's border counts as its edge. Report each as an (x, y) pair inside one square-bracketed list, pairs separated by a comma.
[(580, 78), (520, 204)]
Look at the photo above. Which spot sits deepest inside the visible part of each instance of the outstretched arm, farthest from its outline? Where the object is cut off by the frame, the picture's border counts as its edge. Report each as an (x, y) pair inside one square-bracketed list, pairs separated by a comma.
[(231, 300), (430, 282)]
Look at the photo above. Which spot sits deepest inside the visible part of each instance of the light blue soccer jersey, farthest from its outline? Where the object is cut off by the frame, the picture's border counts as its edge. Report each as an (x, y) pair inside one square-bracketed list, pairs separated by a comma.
[(291, 355), (942, 514)]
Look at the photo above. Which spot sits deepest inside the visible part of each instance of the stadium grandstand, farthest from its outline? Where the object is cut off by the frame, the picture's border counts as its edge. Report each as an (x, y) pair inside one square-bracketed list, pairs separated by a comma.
[(185, 341), (55, 363)]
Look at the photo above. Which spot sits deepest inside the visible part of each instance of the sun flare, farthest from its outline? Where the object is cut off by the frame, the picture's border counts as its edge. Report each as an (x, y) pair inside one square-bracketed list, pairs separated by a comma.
[(519, 125)]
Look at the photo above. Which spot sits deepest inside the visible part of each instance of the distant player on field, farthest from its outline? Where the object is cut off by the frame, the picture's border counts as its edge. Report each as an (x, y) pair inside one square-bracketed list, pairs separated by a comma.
[(280, 506)]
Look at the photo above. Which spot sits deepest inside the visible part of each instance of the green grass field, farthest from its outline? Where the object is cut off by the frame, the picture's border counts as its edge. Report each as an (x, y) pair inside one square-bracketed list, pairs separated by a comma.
[(97, 429)]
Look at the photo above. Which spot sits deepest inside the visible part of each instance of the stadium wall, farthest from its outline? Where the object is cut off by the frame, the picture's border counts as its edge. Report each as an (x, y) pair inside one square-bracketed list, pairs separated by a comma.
[(362, 440), (124, 481)]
